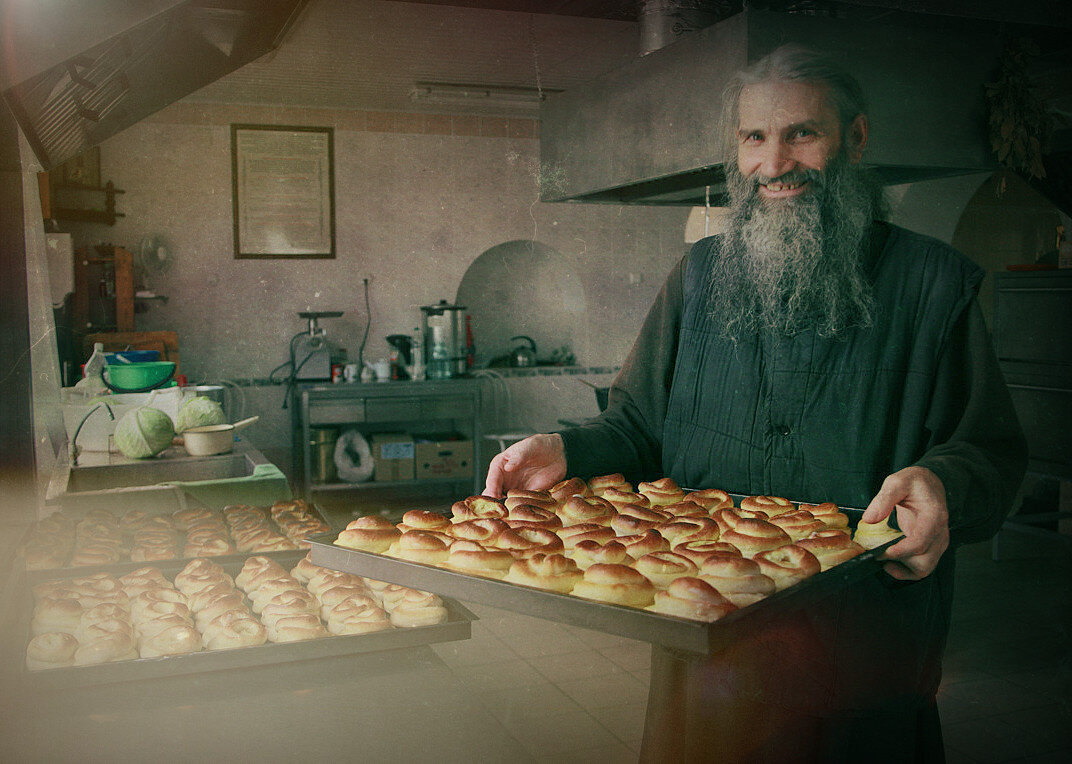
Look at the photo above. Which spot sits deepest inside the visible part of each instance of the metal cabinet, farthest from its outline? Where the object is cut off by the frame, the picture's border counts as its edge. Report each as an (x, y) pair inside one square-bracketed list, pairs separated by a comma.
[(371, 408)]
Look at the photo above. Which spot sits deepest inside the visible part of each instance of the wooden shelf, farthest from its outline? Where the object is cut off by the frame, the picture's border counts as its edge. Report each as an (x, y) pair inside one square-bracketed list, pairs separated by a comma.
[(78, 204)]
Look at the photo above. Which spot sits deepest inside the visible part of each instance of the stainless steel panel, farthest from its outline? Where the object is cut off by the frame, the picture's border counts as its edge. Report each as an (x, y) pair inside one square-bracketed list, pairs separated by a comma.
[(336, 412)]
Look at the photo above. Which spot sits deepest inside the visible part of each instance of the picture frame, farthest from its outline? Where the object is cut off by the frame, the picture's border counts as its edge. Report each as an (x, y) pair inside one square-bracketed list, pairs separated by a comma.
[(283, 191), (82, 171)]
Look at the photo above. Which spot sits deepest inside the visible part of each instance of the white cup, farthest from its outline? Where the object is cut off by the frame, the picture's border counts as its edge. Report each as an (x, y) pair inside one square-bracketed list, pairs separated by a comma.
[(349, 372), (383, 370)]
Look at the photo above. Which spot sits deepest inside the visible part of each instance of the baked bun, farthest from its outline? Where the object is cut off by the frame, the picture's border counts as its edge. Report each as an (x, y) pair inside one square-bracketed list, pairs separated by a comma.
[(173, 641), (753, 536), (661, 491), (371, 533), (219, 606), (588, 553), (684, 508), (798, 523), (572, 535), (142, 579), (326, 578), (663, 567), (518, 496), (477, 508), (256, 569), (700, 550), (417, 609), (144, 604), (152, 627), (356, 617), (769, 505), (303, 570), (694, 598), (646, 542), (52, 649), (787, 565), (483, 532), (339, 594), (620, 497), (235, 628), (423, 520), (567, 488), (115, 646), (871, 535), (736, 578), (710, 498), (275, 588), (471, 558), (831, 547), (682, 529), (419, 546), (632, 519), (617, 584), (828, 513), (296, 628), (554, 572), (599, 485), (525, 542), (57, 615), (530, 516), (586, 509)]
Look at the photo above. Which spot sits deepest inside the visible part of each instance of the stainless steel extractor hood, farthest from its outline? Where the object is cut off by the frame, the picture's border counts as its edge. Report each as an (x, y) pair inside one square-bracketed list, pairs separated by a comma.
[(79, 71), (646, 133)]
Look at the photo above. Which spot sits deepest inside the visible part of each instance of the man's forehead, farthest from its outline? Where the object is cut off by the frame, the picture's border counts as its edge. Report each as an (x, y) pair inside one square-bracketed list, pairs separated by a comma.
[(783, 102)]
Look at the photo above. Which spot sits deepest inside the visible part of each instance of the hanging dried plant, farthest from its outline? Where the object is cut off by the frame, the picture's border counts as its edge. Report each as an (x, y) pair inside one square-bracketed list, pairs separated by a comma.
[(1020, 124)]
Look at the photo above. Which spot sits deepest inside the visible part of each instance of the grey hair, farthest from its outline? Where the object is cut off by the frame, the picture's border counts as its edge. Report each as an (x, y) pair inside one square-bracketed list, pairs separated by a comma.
[(793, 63)]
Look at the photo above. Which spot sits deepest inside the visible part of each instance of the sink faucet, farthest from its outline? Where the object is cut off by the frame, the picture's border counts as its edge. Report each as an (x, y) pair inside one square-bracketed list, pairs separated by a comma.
[(72, 449)]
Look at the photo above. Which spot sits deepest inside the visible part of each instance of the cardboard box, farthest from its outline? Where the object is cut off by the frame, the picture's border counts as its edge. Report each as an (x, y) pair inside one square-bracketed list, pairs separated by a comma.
[(392, 456), (443, 455)]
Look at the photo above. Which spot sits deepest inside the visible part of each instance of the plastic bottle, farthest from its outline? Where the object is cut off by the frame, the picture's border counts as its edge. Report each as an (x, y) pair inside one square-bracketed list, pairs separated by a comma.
[(416, 369), (95, 365)]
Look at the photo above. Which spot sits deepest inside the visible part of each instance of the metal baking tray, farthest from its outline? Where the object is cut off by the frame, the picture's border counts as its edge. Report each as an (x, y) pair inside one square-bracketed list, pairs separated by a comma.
[(644, 625), (457, 627)]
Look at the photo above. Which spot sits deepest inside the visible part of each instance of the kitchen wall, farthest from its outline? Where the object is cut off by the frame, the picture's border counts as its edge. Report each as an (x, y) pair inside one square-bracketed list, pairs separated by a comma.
[(418, 198)]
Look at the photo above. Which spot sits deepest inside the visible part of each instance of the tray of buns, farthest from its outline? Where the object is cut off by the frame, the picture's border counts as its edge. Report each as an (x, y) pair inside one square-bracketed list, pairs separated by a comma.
[(70, 540), (692, 570), (208, 615)]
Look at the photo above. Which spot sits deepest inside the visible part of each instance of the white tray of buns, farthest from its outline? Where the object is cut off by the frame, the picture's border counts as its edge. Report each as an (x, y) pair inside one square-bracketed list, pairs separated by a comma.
[(638, 572), (207, 616)]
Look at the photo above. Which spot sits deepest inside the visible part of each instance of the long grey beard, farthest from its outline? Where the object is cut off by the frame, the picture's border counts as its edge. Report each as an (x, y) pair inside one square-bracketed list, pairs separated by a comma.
[(787, 266)]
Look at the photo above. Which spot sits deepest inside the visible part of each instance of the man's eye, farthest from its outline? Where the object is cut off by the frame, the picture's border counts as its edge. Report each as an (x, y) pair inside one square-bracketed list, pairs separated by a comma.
[(802, 133), (753, 138)]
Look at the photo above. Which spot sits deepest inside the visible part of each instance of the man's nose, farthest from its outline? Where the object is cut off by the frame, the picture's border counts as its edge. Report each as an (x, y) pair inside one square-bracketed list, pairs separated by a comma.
[(776, 159)]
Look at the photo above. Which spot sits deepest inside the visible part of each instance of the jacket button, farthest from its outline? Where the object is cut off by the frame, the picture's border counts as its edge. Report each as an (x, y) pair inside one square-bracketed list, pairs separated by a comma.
[(783, 430)]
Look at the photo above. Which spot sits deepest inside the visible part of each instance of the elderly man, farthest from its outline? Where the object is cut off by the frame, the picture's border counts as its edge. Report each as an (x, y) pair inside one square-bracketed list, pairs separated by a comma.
[(812, 352)]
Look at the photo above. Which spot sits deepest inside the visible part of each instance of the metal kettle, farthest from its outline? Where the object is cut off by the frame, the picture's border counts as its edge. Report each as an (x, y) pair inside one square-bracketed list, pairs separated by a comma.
[(525, 353)]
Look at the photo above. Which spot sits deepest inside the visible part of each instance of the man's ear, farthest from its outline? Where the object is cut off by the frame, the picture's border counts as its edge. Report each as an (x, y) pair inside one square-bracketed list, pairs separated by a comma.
[(857, 138)]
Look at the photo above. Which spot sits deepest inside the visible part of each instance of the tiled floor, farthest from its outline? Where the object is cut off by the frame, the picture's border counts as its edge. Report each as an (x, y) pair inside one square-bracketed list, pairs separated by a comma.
[(570, 694)]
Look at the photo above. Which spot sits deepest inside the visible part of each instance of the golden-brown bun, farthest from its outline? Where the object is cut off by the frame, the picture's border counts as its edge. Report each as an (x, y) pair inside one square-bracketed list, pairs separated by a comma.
[(356, 617), (572, 535), (483, 532), (646, 542), (828, 513), (423, 520), (831, 547), (617, 584), (478, 508), (419, 546), (797, 523), (700, 550), (588, 552), (234, 628), (661, 491), (567, 488), (871, 535), (663, 567), (303, 571), (296, 628), (554, 572), (684, 508), (599, 485), (632, 519), (624, 497), (787, 565), (176, 640), (116, 646), (51, 650), (417, 609), (690, 597), (371, 533), (753, 536), (769, 505), (525, 542), (62, 615), (710, 499), (682, 529), (326, 578), (473, 559), (586, 509), (185, 518), (736, 578), (530, 516)]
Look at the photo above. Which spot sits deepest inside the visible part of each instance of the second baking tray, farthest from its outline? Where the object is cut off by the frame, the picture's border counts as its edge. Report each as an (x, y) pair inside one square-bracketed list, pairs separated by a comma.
[(634, 623)]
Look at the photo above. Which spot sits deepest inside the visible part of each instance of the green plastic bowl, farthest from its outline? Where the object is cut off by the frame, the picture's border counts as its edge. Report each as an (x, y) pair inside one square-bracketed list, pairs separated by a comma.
[(137, 377)]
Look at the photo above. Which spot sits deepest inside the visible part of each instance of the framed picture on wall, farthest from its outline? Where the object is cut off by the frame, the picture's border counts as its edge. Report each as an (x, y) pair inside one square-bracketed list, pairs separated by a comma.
[(283, 191), (82, 170)]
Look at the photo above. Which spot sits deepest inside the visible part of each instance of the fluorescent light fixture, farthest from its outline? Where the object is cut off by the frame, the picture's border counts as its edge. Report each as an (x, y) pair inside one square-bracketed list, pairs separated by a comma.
[(446, 92)]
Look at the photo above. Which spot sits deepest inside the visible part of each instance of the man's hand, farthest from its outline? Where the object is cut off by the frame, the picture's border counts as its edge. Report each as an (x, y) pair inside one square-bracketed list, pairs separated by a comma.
[(923, 517), (535, 463)]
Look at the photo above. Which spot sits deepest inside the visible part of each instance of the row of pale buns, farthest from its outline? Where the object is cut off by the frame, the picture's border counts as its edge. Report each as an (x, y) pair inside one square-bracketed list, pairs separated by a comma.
[(690, 554), (102, 537), (101, 618)]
